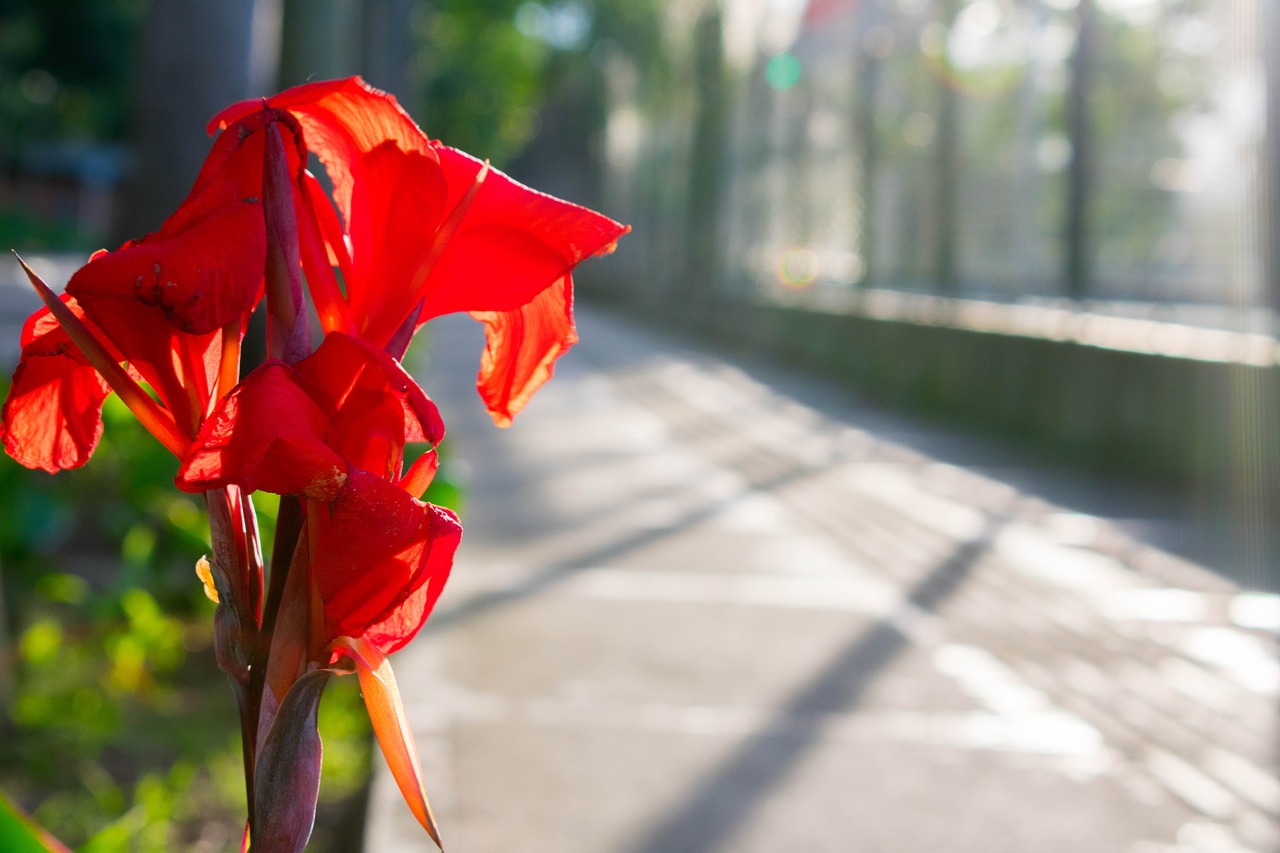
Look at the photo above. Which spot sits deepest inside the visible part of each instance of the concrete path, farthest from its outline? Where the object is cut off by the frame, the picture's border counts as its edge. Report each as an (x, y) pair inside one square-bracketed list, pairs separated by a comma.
[(702, 606), (18, 300)]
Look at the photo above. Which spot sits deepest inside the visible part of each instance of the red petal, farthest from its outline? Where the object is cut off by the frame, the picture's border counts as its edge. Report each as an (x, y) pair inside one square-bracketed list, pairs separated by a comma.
[(341, 119), (98, 352), (379, 547), (143, 295), (52, 418), (521, 348), (266, 434), (321, 242), (202, 271), (200, 279), (395, 210), (232, 172), (514, 243), (394, 632), (369, 433), (343, 365)]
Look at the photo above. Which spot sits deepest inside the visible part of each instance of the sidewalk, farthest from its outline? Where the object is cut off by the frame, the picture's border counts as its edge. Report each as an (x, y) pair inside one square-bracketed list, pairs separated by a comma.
[(18, 300), (704, 607)]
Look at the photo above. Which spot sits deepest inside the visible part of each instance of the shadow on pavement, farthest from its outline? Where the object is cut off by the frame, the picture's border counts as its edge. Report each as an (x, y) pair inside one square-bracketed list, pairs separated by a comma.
[(723, 801)]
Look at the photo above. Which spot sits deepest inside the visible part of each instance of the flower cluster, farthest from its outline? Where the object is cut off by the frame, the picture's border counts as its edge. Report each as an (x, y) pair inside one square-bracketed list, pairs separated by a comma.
[(412, 230)]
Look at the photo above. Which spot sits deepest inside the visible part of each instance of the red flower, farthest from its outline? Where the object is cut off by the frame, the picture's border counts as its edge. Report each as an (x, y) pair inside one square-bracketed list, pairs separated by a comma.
[(296, 429), (164, 300), (416, 230), (434, 231), (332, 429), (372, 559)]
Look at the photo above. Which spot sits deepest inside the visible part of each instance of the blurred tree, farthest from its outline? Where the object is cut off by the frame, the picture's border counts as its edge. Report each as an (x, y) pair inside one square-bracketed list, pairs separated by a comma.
[(946, 143), (317, 40), (1270, 34), (197, 56), (484, 71), (479, 77)]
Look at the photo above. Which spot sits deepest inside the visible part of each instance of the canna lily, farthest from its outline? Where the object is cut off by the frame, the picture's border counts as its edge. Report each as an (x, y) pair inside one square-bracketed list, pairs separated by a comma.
[(430, 230), (332, 430), (413, 230)]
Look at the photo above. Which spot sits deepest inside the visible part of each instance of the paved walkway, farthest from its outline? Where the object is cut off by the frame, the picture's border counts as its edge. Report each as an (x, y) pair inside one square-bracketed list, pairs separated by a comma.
[(18, 299), (702, 606)]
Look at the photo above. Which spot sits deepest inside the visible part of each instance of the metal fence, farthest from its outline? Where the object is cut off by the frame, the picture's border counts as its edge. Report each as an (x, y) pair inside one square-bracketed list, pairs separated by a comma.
[(1108, 151)]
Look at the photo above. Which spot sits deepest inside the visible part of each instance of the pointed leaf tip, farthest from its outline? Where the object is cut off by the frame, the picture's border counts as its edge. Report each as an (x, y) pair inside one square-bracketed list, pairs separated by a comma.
[(158, 421)]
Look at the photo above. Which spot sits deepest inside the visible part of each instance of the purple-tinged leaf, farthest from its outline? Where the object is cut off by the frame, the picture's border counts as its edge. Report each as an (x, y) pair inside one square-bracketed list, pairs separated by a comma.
[(287, 779), (289, 638), (288, 338)]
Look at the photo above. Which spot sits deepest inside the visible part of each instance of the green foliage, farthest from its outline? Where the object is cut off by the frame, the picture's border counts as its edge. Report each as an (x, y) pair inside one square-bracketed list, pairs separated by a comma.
[(21, 227), (487, 68), (481, 77), (65, 68)]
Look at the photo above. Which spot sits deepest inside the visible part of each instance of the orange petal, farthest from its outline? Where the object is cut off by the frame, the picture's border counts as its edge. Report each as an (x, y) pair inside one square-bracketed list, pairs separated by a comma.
[(421, 473), (382, 698)]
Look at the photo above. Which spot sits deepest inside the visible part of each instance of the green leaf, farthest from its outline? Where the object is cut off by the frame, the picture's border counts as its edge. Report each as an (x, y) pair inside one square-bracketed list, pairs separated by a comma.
[(20, 834)]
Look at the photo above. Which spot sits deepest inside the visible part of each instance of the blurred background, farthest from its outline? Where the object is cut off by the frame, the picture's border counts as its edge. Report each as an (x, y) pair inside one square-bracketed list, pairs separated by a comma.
[(1024, 254)]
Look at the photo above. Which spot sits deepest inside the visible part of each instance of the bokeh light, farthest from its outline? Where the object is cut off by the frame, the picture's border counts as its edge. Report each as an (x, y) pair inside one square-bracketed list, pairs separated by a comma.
[(797, 267), (783, 71)]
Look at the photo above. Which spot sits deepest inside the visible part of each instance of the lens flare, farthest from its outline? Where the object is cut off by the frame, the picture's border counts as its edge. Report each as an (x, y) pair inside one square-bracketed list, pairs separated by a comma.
[(797, 267)]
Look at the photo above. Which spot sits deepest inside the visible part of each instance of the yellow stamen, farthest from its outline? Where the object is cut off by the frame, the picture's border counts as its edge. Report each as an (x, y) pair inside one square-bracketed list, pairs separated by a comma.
[(206, 577)]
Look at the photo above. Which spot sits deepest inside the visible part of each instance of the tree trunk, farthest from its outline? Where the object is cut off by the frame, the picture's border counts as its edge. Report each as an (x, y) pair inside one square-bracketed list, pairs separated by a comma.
[(198, 56)]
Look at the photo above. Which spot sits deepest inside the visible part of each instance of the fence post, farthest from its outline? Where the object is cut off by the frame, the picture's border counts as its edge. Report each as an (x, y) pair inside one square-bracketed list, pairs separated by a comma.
[(1077, 242), (945, 171), (706, 177)]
